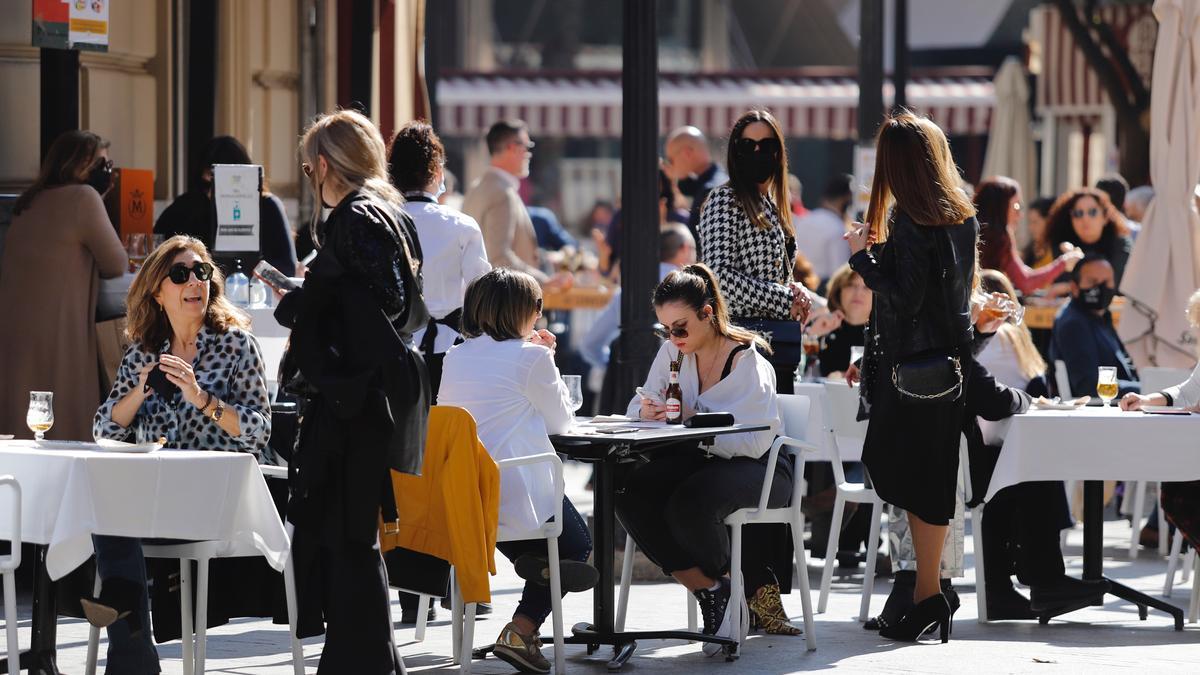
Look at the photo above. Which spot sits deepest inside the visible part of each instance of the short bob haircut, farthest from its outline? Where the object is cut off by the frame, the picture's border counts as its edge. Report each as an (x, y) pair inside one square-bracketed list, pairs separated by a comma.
[(499, 303)]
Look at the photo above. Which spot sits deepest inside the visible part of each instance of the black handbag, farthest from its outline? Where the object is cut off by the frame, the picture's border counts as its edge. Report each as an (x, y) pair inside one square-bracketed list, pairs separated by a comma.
[(785, 337), (934, 376)]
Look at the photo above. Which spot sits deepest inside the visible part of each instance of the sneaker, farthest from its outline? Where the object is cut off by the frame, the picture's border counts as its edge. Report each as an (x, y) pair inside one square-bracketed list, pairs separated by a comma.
[(574, 576), (523, 652), (714, 609)]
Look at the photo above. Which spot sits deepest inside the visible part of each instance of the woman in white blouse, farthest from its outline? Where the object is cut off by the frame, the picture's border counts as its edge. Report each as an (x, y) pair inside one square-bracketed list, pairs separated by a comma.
[(675, 505), (504, 375)]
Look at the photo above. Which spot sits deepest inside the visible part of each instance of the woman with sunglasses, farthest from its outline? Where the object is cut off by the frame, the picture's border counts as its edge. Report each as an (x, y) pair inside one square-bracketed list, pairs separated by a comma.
[(61, 243), (746, 232), (1079, 218), (998, 202), (675, 505), (193, 375), (504, 375)]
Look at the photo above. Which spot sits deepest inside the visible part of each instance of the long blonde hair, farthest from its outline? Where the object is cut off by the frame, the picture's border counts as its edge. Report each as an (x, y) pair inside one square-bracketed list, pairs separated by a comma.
[(1017, 338)]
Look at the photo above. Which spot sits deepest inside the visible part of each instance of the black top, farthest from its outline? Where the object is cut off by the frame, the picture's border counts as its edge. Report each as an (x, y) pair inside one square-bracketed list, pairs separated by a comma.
[(1084, 341), (835, 355), (194, 214), (729, 361)]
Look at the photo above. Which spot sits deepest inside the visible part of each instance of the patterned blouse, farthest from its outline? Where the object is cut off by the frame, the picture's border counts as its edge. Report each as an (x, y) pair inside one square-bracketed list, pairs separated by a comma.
[(230, 366), (753, 265)]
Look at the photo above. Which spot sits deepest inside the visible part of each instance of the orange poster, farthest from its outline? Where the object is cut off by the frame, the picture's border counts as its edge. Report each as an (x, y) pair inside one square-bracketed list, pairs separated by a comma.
[(136, 206)]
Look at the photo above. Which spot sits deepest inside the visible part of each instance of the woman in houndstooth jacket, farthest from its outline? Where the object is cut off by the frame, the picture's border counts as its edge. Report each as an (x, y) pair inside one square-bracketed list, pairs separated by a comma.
[(747, 240)]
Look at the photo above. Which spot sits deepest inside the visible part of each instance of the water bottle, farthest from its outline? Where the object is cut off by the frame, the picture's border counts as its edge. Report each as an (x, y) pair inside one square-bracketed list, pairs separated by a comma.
[(259, 295), (238, 287)]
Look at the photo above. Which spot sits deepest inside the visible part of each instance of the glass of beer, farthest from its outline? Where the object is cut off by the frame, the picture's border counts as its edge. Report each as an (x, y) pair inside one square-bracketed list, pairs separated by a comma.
[(1106, 384), (40, 417)]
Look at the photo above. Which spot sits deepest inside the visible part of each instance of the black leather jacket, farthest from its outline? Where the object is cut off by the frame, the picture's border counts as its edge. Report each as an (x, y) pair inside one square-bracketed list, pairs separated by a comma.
[(921, 278)]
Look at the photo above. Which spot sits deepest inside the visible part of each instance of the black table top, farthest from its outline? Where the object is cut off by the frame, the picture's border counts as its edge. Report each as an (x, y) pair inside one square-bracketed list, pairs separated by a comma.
[(653, 435)]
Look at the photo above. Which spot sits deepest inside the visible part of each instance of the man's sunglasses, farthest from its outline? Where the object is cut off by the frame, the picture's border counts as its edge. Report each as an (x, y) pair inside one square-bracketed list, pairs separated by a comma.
[(179, 272), (747, 146), (1091, 213)]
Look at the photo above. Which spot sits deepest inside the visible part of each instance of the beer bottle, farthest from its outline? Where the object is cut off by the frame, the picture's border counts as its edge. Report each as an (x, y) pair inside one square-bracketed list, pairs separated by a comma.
[(674, 396)]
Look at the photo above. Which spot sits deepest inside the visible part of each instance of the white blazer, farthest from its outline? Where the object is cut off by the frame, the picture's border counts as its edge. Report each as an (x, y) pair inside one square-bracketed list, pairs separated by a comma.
[(513, 390), (748, 393), (1187, 394)]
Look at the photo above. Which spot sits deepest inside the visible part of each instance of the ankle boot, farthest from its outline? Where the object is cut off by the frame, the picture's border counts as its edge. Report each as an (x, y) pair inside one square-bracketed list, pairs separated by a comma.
[(899, 601), (932, 612)]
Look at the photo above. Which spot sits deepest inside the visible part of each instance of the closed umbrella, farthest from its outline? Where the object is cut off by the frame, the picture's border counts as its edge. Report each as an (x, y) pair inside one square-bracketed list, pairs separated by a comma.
[(1010, 141), (1162, 272)]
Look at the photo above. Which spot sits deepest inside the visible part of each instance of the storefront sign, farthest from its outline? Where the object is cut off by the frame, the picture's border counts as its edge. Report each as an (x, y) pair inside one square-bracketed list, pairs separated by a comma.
[(71, 24), (236, 188)]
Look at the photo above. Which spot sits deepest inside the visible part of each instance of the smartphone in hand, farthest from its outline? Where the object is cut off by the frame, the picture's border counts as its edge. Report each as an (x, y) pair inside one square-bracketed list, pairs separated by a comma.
[(272, 277)]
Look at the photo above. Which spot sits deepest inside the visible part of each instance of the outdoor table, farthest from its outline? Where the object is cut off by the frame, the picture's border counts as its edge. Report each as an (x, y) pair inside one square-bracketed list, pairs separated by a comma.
[(606, 451), (577, 297), (1095, 444), (70, 494)]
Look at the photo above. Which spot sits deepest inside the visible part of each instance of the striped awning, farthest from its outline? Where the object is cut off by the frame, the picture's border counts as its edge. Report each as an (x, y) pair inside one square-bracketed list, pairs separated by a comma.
[(583, 105)]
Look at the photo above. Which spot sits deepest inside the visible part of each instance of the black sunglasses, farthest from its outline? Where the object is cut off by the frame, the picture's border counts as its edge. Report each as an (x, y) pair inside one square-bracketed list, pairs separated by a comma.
[(674, 331), (1091, 213), (747, 146), (179, 272)]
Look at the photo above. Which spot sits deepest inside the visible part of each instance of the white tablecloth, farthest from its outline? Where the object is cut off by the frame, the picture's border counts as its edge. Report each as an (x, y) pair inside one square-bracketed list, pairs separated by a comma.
[(1098, 444), (69, 495), (849, 448)]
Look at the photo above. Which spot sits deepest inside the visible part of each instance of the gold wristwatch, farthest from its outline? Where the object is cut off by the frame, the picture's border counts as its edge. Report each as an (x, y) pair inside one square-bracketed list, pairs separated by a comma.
[(218, 411)]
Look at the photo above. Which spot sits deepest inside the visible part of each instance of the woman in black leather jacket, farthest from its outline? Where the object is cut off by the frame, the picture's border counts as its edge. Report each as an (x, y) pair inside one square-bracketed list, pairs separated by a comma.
[(363, 393), (920, 264)]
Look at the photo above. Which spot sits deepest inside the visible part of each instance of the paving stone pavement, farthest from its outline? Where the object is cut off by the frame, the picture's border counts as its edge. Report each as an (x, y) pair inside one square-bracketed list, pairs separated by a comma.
[(1097, 639)]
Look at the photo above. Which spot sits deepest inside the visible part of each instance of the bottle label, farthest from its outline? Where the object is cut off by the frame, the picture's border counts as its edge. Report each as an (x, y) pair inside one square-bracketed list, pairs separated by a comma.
[(674, 377)]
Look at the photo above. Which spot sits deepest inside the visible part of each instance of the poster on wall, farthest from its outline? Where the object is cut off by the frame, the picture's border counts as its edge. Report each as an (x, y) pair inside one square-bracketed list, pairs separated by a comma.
[(236, 190), (71, 24)]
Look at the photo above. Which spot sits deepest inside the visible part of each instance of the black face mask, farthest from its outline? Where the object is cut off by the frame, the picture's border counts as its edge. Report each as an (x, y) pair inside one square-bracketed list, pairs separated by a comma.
[(756, 167), (101, 177), (1097, 297)]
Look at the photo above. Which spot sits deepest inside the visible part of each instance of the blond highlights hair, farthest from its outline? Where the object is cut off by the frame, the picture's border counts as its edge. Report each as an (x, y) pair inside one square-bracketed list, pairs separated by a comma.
[(146, 320), (1017, 338)]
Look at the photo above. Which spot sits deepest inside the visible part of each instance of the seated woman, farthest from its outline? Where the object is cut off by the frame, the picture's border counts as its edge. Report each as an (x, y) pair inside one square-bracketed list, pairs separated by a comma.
[(845, 326), (675, 505), (213, 397), (1180, 501), (504, 375)]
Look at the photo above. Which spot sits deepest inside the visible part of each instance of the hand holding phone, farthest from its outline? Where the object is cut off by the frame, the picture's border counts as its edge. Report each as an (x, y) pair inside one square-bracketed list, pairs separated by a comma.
[(272, 277)]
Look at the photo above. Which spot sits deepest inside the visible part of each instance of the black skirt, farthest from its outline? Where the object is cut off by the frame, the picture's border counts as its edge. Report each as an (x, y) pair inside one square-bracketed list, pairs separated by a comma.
[(911, 449)]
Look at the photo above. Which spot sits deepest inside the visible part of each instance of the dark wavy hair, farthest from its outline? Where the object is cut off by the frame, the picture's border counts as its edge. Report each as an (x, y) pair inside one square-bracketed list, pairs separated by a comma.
[(745, 191), (71, 155), (414, 156), (992, 198), (1058, 225), (696, 286)]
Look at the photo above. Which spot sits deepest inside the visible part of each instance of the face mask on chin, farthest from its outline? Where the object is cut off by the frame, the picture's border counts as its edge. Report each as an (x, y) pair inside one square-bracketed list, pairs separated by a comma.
[(1097, 297)]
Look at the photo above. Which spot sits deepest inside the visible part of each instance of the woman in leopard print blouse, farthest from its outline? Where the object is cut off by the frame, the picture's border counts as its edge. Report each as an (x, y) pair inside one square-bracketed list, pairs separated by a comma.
[(213, 397)]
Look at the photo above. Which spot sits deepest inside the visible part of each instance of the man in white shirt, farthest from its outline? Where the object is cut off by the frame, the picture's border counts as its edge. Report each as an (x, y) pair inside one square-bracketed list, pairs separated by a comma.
[(819, 234)]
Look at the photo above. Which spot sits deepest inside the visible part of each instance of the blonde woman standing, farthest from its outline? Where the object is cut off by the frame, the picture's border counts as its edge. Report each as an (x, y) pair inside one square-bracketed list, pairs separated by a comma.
[(362, 387)]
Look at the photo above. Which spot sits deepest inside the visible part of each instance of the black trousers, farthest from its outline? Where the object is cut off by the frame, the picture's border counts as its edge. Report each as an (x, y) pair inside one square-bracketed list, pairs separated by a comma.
[(1021, 533), (675, 505), (575, 543)]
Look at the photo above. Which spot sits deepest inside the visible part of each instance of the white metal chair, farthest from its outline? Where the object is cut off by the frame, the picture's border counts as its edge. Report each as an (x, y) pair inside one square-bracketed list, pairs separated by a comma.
[(1173, 564), (8, 567), (841, 409), (964, 463), (194, 638), (463, 614), (794, 411), (1152, 380)]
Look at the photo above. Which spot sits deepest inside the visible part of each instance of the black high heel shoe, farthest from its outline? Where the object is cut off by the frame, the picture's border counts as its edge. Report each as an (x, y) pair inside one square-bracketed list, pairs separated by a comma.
[(118, 600), (930, 612)]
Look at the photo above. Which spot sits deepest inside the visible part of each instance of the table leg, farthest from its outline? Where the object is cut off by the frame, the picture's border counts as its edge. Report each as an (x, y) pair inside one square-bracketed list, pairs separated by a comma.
[(604, 546), (1093, 529), (40, 658)]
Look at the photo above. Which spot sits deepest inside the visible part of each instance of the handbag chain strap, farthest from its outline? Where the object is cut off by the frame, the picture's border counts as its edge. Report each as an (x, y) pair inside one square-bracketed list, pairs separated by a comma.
[(931, 397)]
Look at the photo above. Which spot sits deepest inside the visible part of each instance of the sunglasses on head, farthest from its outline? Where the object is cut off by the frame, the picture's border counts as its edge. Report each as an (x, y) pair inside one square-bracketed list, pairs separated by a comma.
[(179, 272), (746, 146), (1091, 213)]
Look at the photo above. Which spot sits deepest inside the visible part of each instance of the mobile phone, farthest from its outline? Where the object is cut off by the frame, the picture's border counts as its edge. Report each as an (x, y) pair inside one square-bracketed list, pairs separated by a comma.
[(647, 394), (273, 277), (615, 430)]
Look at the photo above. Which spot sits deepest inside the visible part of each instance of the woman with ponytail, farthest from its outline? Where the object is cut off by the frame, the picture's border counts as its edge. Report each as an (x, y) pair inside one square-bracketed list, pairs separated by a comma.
[(675, 505)]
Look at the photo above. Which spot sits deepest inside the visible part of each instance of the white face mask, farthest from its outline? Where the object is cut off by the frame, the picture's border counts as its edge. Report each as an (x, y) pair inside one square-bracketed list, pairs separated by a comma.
[(441, 189)]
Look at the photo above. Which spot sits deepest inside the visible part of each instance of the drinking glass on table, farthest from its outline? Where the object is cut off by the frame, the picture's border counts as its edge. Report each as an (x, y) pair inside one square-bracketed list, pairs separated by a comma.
[(575, 390), (812, 348), (137, 248), (1106, 384), (40, 417)]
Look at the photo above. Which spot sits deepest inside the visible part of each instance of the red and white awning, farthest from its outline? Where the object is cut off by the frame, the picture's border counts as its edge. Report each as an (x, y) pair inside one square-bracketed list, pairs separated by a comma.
[(589, 104)]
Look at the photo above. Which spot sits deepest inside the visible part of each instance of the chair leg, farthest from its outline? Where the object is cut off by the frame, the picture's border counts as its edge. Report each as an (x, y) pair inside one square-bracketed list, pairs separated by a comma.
[(835, 528), (802, 574), (1194, 605), (737, 594), (1187, 565), (626, 580), (693, 611), (556, 613), (10, 619), (93, 649), (980, 575), (422, 617), (1163, 530), (872, 551), (1135, 525), (468, 636), (201, 614), (1172, 562), (456, 618), (186, 615), (289, 594)]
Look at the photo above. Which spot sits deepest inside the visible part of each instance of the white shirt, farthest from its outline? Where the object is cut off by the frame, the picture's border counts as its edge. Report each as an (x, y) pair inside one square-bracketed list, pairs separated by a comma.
[(452, 246), (819, 238), (1187, 394), (513, 390), (748, 393), (1001, 361)]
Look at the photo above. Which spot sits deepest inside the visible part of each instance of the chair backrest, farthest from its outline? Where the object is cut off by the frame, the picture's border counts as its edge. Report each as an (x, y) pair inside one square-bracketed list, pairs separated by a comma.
[(13, 560), (1062, 380), (841, 411), (1156, 379), (794, 410)]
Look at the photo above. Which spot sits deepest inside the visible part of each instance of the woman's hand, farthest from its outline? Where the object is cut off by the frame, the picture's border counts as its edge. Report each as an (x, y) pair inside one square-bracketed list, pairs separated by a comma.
[(801, 302), (544, 338), (1134, 401), (180, 373), (1071, 256), (143, 376), (1000, 306), (859, 237), (824, 324), (653, 410), (853, 375)]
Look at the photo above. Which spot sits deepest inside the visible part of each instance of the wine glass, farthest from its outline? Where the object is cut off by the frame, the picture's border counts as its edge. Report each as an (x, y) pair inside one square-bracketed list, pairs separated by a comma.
[(40, 417), (1106, 384), (574, 391)]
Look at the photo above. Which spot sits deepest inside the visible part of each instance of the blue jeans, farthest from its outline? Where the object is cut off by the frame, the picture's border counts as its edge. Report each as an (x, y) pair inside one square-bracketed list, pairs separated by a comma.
[(121, 558), (575, 543)]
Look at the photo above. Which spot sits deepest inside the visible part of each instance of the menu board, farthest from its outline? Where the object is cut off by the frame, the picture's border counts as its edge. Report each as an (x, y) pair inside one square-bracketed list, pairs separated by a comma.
[(236, 190)]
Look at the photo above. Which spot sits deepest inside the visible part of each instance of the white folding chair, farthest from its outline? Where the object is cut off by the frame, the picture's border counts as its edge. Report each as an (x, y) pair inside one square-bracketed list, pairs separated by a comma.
[(1063, 382), (794, 411), (194, 638), (1173, 563), (841, 409), (964, 463), (8, 567), (463, 614), (1153, 380)]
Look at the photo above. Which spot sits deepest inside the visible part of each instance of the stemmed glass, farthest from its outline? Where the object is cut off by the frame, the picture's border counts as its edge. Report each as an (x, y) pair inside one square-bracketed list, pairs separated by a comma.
[(574, 390), (812, 349), (40, 417), (1106, 384)]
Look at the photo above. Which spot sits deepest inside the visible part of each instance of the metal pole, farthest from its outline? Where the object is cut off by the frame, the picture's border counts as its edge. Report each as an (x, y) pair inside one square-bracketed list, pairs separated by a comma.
[(900, 56), (639, 195), (870, 70)]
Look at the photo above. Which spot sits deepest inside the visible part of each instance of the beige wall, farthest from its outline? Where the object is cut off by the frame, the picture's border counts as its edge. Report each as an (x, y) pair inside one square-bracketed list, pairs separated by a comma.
[(19, 91)]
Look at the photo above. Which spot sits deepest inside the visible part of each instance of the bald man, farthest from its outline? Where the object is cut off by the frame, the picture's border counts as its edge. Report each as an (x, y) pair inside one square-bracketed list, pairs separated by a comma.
[(688, 161)]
